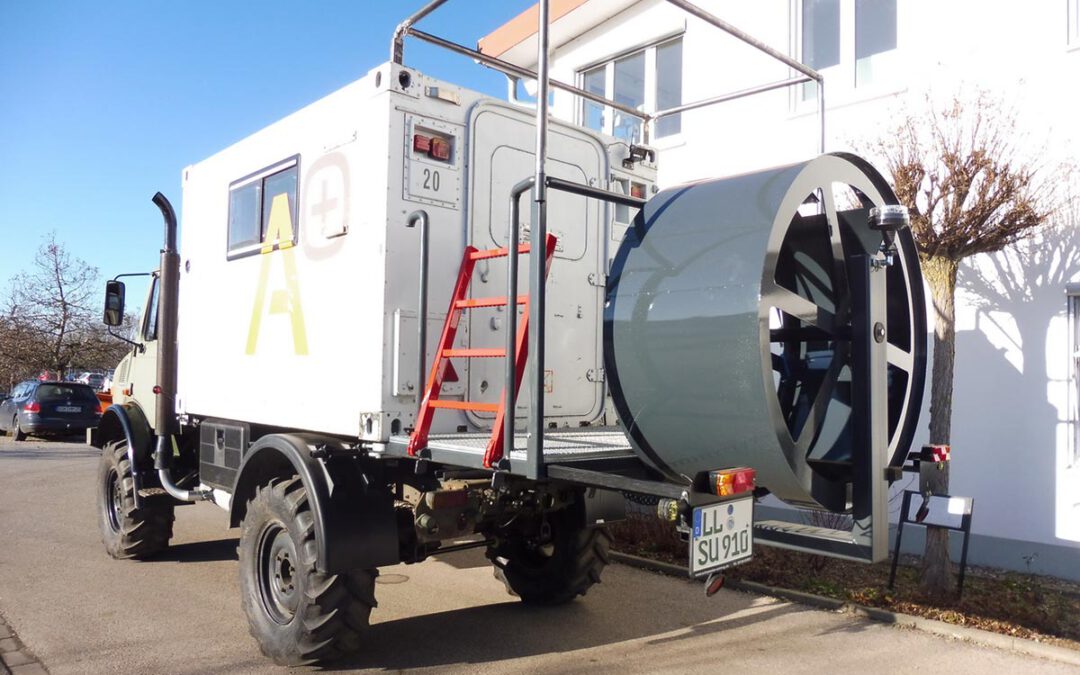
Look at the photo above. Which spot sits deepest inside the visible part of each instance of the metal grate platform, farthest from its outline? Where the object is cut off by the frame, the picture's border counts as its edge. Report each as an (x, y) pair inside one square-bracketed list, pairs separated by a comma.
[(559, 444)]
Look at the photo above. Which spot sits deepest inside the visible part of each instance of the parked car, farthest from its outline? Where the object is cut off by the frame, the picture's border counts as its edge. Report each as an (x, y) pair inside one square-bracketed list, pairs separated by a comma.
[(95, 380), (49, 408)]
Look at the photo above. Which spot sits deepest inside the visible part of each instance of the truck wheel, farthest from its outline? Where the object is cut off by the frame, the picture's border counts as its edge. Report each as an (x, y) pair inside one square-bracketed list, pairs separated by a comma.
[(557, 569), (297, 615), (129, 532)]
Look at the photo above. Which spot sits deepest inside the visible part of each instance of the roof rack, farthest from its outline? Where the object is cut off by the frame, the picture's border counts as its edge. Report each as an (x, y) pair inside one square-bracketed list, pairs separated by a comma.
[(544, 83)]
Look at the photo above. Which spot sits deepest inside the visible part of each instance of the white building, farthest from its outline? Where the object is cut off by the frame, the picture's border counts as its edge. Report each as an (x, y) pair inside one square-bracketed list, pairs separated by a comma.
[(1014, 428)]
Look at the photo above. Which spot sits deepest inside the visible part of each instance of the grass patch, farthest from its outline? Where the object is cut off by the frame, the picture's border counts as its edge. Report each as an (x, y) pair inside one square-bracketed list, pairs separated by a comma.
[(1044, 609)]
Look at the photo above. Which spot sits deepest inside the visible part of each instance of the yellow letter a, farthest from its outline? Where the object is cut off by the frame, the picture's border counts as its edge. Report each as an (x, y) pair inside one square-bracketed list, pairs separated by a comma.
[(279, 232)]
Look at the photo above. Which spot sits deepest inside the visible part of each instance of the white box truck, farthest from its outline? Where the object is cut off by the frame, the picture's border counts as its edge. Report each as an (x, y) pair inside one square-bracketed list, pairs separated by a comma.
[(334, 352)]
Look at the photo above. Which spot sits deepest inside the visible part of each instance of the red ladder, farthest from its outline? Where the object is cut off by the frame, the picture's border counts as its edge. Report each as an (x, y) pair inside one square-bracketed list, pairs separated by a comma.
[(458, 302)]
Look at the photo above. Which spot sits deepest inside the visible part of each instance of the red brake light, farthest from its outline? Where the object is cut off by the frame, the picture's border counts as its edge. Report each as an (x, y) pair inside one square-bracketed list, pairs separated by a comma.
[(32, 407), (440, 149), (637, 190), (732, 481), (421, 143), (99, 409)]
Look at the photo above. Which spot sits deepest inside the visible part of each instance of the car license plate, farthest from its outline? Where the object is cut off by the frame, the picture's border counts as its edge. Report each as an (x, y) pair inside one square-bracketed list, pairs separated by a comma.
[(68, 408), (723, 535)]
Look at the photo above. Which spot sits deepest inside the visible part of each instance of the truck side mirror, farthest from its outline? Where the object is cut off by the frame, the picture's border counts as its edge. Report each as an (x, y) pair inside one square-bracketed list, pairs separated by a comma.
[(114, 303)]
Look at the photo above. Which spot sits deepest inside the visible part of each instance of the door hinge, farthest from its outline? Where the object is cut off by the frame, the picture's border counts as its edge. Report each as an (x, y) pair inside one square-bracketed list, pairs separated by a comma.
[(595, 375), (597, 279)]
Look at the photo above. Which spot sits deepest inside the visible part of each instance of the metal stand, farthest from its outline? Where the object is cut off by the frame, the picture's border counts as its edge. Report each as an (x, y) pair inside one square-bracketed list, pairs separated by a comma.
[(965, 527)]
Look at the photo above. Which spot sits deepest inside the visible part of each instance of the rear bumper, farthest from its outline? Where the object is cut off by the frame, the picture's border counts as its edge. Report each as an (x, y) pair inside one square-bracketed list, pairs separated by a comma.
[(35, 424)]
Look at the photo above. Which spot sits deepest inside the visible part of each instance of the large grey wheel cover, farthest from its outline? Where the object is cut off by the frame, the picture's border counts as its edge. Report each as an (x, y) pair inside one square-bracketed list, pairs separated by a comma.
[(687, 327)]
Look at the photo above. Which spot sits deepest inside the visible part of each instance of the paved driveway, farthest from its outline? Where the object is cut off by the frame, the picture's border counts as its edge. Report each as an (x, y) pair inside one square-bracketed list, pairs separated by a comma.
[(81, 612)]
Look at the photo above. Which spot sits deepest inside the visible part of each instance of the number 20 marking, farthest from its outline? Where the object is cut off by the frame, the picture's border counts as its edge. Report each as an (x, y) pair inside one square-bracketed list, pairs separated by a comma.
[(431, 180)]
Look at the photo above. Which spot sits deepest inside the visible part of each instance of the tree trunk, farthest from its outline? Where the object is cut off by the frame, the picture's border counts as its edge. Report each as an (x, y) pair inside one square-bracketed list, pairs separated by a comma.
[(937, 575)]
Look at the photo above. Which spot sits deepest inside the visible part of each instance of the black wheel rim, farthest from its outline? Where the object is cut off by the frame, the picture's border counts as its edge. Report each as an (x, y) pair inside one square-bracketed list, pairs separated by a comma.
[(114, 499), (278, 578)]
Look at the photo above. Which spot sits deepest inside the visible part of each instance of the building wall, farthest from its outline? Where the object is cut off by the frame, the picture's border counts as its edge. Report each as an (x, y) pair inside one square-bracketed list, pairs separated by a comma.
[(1014, 391)]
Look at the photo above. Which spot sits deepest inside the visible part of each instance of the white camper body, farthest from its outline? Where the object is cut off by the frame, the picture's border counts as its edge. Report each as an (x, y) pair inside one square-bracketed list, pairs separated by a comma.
[(317, 331)]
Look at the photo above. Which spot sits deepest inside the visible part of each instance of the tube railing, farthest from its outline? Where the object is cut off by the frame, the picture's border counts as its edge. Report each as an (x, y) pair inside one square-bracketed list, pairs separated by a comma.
[(508, 68), (420, 217)]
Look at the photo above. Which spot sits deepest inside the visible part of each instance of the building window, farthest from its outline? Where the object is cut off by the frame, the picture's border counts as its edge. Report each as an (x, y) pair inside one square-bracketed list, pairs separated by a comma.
[(1074, 373), (1073, 18), (251, 204), (848, 41), (648, 80)]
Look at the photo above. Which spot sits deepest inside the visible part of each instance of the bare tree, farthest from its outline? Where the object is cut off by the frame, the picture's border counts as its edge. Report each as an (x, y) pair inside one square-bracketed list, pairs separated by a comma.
[(970, 190), (51, 317)]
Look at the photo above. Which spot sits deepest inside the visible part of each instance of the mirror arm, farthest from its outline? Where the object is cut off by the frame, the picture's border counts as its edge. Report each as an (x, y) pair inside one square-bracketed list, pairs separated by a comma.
[(138, 347)]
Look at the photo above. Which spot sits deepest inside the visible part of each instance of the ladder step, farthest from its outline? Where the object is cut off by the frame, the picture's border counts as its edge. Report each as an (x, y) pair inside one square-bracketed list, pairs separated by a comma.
[(495, 252), (465, 405), (499, 301), (474, 353)]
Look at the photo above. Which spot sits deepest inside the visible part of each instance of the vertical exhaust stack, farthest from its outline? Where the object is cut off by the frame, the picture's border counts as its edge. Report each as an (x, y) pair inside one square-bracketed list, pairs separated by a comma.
[(165, 417), (165, 420)]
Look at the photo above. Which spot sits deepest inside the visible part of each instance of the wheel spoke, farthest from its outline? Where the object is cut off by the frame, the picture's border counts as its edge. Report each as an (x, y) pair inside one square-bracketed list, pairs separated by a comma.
[(801, 308), (821, 403), (899, 358), (839, 274)]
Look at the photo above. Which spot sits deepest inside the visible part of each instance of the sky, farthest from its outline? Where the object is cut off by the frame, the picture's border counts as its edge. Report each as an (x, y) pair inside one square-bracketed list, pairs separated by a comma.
[(102, 104)]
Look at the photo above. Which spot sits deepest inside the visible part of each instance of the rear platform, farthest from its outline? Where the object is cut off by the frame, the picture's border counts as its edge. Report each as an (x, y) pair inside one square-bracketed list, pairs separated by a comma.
[(593, 446)]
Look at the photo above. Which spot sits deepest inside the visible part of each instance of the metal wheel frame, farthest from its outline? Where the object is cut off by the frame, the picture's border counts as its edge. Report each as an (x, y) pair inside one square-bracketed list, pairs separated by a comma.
[(114, 500), (870, 187), (278, 592)]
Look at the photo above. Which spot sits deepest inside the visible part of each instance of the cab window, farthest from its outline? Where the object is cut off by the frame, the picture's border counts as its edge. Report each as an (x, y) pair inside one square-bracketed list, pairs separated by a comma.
[(150, 319)]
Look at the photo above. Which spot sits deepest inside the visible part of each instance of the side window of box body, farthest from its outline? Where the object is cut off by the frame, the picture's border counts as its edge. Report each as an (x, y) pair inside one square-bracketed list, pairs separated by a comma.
[(251, 201)]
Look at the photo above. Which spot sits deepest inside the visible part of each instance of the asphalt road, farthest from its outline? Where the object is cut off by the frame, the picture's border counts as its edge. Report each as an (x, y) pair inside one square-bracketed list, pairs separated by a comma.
[(81, 612)]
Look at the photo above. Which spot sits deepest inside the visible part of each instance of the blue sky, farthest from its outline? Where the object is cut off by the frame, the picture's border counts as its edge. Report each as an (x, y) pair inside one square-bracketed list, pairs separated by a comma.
[(103, 103)]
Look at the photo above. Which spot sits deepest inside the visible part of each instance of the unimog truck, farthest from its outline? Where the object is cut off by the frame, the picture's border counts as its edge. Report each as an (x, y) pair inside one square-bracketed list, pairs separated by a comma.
[(410, 319)]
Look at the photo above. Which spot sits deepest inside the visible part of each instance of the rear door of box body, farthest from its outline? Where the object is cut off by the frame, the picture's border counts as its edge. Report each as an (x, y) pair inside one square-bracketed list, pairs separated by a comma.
[(501, 153)]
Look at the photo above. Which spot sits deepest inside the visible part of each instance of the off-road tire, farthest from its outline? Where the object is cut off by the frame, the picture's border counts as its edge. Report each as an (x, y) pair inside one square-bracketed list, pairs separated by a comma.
[(555, 571), (126, 531), (297, 614), (16, 431)]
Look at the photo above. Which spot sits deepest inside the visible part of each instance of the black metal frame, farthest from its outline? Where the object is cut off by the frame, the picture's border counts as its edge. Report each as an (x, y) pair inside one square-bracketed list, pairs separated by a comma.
[(965, 527)]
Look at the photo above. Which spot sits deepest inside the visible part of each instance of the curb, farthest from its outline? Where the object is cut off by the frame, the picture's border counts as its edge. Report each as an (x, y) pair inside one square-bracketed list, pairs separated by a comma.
[(15, 658), (933, 626)]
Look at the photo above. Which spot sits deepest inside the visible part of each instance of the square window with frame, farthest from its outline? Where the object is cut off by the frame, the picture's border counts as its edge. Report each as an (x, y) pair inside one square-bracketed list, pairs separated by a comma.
[(648, 79), (252, 201), (853, 43), (1074, 372)]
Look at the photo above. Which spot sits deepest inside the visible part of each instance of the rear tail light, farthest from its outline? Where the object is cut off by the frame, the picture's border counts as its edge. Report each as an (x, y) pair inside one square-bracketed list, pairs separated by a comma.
[(732, 481), (32, 407), (440, 149), (432, 146), (98, 410)]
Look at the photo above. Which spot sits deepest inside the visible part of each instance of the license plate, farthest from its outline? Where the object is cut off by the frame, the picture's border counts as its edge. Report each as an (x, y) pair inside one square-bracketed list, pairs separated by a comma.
[(68, 408), (722, 536)]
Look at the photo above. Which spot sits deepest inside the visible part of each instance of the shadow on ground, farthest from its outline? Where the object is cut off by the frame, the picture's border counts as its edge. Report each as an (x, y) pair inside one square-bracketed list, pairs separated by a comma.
[(68, 447), (198, 551)]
